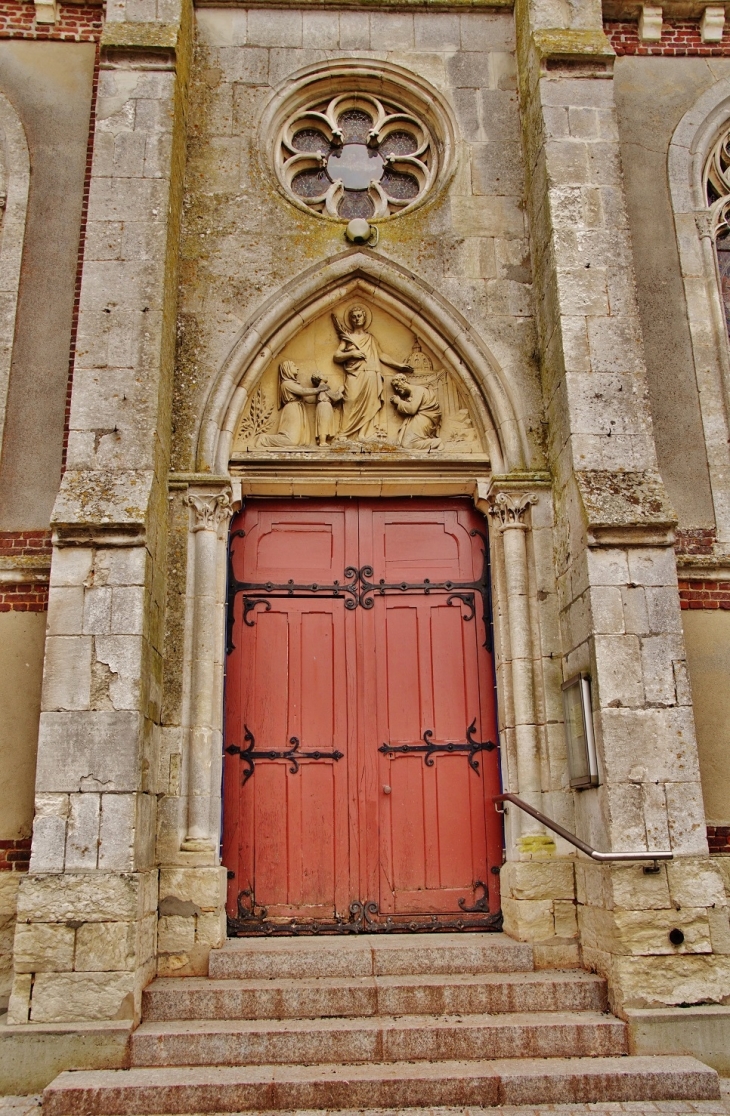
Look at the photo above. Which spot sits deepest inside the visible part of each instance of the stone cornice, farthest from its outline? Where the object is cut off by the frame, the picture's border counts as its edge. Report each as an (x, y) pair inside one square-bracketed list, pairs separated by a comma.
[(671, 9), (151, 46), (625, 508), (177, 481), (365, 5), (102, 508), (695, 567), (25, 569)]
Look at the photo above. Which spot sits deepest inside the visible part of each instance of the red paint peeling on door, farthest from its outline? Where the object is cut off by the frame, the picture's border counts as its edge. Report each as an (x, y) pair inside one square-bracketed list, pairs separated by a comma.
[(412, 831)]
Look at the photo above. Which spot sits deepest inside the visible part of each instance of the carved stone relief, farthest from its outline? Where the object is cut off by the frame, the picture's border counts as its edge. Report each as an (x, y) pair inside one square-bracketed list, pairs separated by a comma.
[(355, 381)]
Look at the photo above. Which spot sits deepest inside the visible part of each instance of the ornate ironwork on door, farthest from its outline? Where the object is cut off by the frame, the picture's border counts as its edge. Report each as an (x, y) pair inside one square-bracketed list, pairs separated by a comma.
[(471, 747), (358, 590), (248, 754), (364, 917)]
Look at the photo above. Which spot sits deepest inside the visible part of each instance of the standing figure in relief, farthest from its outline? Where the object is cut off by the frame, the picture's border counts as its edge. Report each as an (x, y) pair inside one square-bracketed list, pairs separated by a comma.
[(324, 414), (361, 359), (293, 429), (419, 405)]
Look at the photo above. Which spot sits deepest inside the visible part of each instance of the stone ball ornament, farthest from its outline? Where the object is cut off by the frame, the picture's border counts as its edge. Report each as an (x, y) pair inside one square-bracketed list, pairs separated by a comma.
[(357, 144)]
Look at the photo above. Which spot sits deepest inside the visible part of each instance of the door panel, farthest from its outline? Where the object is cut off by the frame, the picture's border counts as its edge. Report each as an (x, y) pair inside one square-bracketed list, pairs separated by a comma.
[(400, 661)]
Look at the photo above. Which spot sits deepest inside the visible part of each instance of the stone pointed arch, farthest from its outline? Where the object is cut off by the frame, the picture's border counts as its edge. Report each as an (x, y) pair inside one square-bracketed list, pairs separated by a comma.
[(416, 305), (14, 185), (693, 138)]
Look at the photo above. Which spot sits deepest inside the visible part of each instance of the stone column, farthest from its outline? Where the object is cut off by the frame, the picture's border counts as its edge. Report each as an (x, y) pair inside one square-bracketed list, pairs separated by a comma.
[(616, 573), (210, 512), (87, 913), (508, 511)]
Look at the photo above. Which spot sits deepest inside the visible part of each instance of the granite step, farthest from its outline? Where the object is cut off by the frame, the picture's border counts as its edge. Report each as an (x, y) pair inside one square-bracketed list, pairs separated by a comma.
[(378, 1039), (232, 1089), (170, 998), (369, 955)]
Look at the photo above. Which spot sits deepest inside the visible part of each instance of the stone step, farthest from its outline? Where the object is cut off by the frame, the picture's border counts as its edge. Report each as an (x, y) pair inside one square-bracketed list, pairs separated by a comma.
[(232, 1089), (169, 998), (378, 1039), (369, 955)]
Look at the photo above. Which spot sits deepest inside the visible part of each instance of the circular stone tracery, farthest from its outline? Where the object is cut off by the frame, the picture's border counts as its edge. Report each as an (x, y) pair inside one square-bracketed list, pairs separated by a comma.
[(356, 156)]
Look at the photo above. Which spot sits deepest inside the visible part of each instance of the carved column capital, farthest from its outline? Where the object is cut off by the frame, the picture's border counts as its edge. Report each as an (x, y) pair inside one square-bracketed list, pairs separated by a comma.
[(704, 221), (509, 509), (209, 510)]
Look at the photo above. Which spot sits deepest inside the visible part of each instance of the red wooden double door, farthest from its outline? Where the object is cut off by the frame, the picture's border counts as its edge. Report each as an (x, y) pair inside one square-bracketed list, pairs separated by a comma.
[(360, 718)]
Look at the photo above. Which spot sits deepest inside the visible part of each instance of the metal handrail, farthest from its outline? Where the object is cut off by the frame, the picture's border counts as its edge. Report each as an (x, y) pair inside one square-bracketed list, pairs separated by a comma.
[(571, 837)]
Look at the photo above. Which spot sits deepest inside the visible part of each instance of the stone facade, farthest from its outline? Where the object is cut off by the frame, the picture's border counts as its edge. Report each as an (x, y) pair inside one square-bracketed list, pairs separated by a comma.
[(538, 273)]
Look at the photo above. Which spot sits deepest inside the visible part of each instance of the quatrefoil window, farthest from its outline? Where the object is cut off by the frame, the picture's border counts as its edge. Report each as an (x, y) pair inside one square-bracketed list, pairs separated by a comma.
[(356, 156)]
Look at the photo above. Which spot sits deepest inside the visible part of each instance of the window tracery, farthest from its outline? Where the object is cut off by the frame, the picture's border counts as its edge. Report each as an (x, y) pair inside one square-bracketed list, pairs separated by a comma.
[(717, 193), (355, 155)]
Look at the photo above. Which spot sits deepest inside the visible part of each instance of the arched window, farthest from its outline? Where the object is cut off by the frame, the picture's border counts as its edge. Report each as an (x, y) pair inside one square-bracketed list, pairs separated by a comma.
[(14, 183), (717, 193)]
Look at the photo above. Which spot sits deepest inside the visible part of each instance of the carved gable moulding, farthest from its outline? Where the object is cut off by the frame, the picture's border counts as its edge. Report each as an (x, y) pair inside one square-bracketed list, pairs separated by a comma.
[(358, 140), (357, 380)]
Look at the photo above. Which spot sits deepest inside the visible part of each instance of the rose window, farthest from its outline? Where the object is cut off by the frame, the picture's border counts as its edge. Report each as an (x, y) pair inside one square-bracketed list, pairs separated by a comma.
[(356, 156)]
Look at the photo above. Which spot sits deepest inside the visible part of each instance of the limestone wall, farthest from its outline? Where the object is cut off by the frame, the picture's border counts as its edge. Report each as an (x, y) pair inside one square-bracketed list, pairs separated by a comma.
[(652, 95), (243, 240)]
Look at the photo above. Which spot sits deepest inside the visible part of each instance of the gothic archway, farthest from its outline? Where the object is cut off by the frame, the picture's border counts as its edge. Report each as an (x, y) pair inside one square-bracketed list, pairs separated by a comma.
[(321, 290)]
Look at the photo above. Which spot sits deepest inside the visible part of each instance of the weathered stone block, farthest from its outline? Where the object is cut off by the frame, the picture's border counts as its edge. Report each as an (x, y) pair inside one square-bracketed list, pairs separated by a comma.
[(658, 981), (276, 29), (528, 920), (65, 610), (82, 834), (695, 883), (722, 865), (437, 31), (117, 831), (566, 919), (322, 30), (210, 929), (72, 997), (645, 932), (105, 946), (19, 1003), (96, 751), (71, 565), (204, 887), (618, 670), (9, 882), (92, 897), (67, 673), (175, 934), (43, 948), (628, 887), (719, 929), (548, 879)]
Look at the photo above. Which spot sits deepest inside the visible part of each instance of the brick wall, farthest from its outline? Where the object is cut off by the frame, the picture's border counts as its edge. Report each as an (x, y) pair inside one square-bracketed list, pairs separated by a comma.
[(679, 38), (718, 838), (24, 596), (695, 540), (704, 594), (25, 544), (77, 23), (15, 855)]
